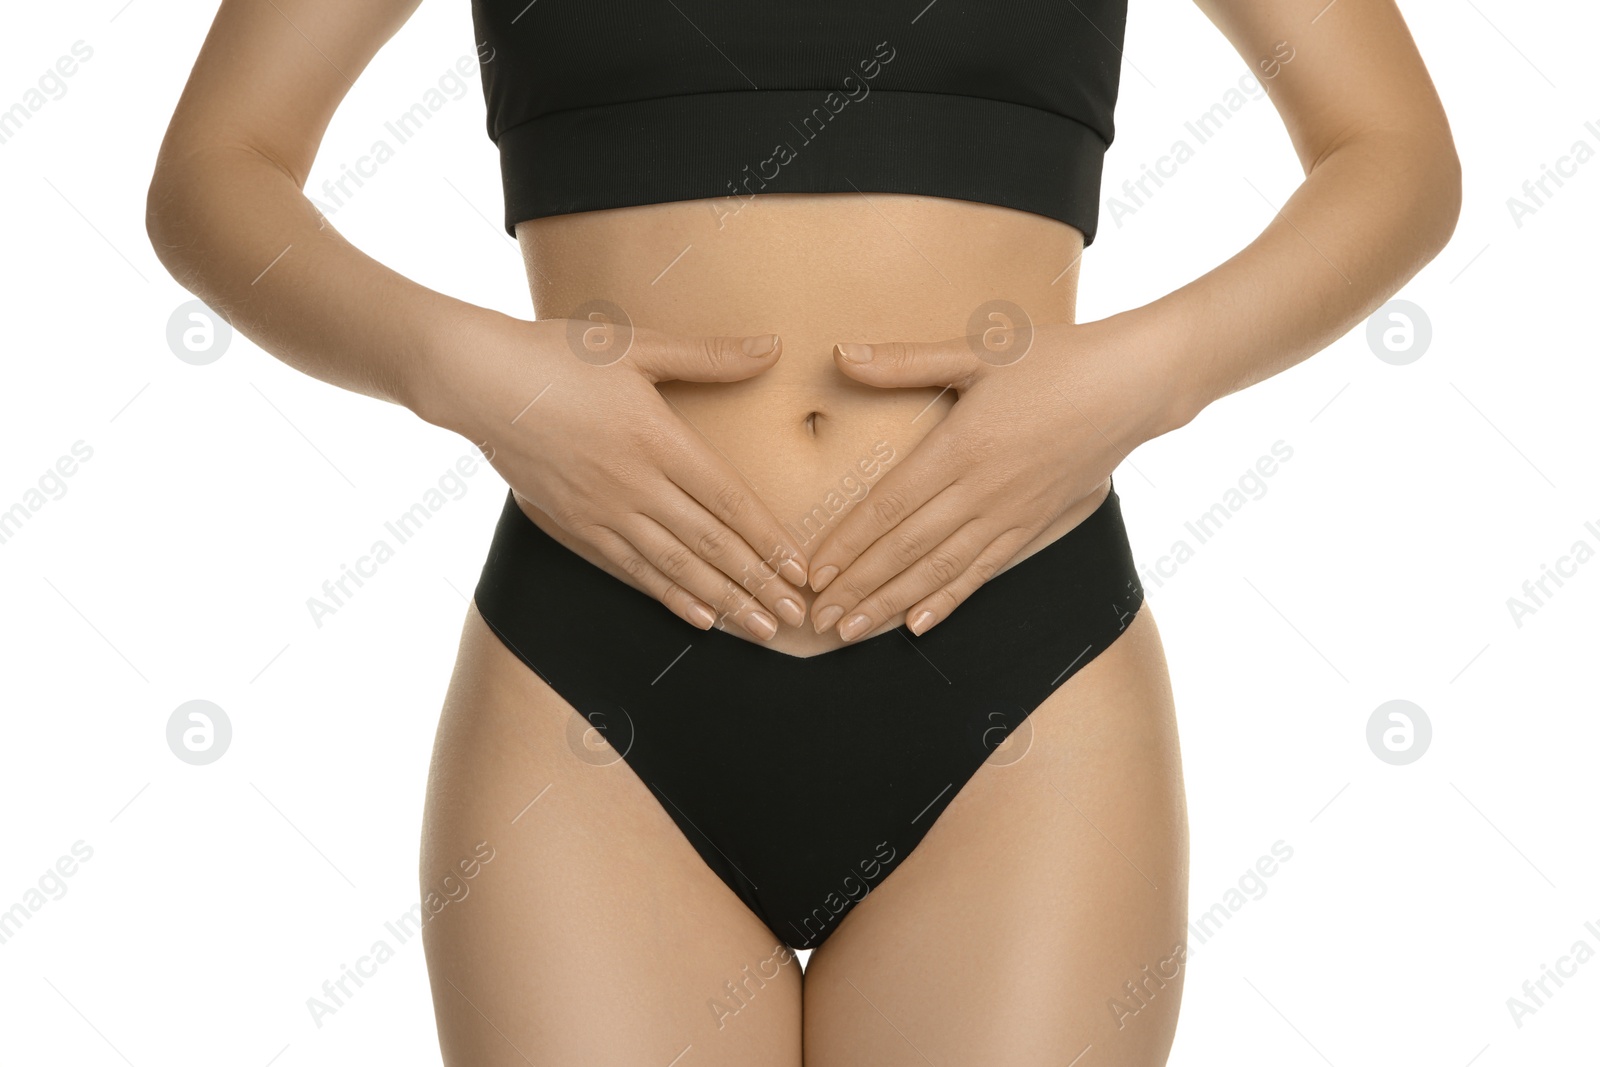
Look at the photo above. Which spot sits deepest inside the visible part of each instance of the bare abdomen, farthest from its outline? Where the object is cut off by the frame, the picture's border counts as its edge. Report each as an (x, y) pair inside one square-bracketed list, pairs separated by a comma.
[(816, 269)]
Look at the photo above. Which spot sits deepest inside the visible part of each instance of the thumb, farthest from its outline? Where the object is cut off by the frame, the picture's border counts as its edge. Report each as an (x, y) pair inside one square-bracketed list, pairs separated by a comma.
[(664, 357), (906, 364)]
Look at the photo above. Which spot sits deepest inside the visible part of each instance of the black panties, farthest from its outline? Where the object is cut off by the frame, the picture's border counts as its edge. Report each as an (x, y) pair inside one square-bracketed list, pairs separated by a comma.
[(804, 781)]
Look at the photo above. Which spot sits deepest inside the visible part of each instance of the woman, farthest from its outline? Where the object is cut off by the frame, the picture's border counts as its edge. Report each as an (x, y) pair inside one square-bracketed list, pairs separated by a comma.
[(784, 259)]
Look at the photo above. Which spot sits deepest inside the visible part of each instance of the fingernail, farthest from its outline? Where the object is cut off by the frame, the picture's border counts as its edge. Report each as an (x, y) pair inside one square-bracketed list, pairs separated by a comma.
[(824, 576), (760, 346), (855, 353), (792, 613), (827, 617), (791, 569), (920, 621), (854, 627), (761, 624), (703, 616)]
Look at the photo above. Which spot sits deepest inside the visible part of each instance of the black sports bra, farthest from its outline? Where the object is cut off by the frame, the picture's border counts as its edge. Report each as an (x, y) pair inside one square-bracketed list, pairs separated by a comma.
[(608, 103)]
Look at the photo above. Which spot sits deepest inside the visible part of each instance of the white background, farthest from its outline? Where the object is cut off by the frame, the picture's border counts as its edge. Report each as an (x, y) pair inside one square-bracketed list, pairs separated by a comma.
[(1376, 566)]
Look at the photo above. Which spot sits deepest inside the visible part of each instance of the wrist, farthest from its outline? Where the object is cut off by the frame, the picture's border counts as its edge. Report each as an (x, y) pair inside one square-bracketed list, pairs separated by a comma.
[(433, 391), (1157, 346)]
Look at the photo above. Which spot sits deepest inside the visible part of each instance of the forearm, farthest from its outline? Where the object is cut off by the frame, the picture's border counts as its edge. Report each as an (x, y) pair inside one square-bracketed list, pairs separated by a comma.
[(1368, 216), (235, 230)]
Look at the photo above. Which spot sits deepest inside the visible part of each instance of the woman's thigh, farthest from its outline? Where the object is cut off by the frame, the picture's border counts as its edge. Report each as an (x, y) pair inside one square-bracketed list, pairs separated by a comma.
[(594, 932), (1037, 918)]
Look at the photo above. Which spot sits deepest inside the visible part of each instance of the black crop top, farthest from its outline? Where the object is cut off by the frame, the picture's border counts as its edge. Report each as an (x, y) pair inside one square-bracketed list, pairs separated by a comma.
[(608, 103)]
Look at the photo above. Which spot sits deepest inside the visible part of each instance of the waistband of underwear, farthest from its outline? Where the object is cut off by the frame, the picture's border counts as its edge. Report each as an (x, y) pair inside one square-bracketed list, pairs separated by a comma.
[(550, 606)]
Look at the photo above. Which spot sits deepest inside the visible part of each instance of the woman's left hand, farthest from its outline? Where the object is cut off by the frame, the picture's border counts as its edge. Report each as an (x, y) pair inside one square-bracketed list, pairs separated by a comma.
[(1043, 415)]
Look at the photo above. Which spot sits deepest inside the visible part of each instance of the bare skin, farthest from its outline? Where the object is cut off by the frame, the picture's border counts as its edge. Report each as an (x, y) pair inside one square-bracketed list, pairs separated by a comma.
[(597, 934)]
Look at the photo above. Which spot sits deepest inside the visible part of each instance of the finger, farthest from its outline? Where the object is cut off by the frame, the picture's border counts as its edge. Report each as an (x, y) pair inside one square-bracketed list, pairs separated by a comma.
[(665, 357), (622, 553), (679, 563), (926, 534), (936, 608), (727, 553), (931, 467), (906, 364), (717, 486), (947, 561)]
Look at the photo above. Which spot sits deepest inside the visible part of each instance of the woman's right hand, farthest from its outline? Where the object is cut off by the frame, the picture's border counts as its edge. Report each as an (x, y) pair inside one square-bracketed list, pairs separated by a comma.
[(567, 411)]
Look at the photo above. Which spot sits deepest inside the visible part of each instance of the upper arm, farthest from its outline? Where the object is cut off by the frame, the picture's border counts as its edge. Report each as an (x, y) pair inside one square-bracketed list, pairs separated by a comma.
[(1335, 70), (271, 74)]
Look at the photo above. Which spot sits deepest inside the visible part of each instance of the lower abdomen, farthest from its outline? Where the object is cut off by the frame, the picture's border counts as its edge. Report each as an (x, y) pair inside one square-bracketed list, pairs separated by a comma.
[(815, 269)]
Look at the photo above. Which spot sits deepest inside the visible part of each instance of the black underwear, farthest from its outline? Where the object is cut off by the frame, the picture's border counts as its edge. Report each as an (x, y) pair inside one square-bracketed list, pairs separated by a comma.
[(804, 781)]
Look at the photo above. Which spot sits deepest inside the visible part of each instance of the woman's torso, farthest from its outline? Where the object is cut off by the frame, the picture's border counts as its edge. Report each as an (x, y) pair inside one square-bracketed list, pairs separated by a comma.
[(816, 269)]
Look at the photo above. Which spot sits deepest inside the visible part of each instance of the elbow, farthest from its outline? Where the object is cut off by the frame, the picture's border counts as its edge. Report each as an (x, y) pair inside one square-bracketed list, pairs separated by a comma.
[(1412, 179), (1443, 197), (1435, 178), (161, 204), (173, 213), (172, 199)]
